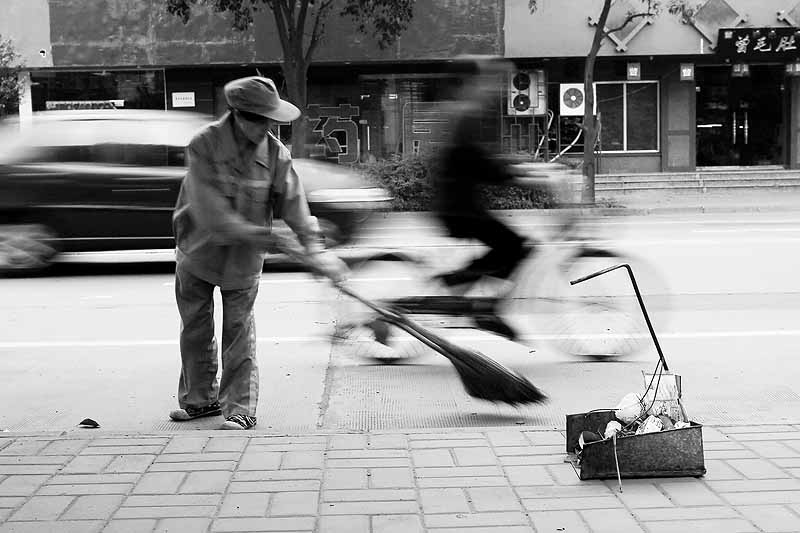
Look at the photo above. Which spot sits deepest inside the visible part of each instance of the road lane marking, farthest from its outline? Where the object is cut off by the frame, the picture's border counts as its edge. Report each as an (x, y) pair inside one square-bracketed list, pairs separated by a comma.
[(600, 243), (466, 337), (746, 230), (604, 222), (306, 279)]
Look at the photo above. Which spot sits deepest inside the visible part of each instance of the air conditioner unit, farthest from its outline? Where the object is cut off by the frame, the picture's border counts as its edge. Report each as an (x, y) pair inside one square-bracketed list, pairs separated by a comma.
[(572, 100), (526, 93)]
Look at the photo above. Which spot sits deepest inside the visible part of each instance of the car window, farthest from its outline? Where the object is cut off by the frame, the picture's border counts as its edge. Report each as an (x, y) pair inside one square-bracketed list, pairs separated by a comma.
[(152, 140), (143, 155)]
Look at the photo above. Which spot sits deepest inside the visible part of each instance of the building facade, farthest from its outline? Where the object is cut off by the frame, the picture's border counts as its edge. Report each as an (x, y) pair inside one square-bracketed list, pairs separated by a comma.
[(718, 90)]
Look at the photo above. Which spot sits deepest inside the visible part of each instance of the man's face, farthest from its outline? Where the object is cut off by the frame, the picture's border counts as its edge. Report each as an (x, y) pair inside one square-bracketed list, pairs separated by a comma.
[(253, 127)]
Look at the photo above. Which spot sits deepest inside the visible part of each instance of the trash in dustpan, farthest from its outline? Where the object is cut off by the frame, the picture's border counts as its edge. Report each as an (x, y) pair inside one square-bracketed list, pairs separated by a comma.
[(644, 436)]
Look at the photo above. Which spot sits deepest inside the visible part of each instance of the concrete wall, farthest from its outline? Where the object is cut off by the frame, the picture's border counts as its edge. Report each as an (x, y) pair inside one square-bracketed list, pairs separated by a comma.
[(141, 33), (678, 124), (629, 163), (440, 29), (559, 28), (794, 123)]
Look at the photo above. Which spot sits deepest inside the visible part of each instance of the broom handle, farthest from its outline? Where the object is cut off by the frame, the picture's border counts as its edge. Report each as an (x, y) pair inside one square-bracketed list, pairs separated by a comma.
[(290, 249), (427, 337), (638, 297), (423, 335)]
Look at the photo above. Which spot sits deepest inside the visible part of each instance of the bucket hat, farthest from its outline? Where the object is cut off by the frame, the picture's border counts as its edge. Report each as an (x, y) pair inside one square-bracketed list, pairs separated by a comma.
[(256, 94)]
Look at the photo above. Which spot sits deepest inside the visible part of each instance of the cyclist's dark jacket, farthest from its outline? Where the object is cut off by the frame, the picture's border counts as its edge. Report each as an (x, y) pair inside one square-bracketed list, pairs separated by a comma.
[(465, 165)]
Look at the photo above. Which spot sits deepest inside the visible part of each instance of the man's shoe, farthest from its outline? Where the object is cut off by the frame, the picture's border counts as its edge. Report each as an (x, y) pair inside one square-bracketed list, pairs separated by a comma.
[(239, 422), (190, 413)]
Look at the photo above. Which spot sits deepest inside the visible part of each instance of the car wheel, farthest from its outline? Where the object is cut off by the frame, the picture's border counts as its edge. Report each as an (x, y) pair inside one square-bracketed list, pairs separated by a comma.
[(25, 248)]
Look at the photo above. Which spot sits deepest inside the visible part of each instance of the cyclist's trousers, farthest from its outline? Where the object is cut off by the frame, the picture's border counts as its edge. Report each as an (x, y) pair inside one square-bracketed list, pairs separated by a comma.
[(506, 247)]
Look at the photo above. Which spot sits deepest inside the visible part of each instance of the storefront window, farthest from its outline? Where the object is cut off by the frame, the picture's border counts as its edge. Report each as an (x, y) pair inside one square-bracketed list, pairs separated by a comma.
[(611, 106), (642, 117), (137, 89), (629, 116)]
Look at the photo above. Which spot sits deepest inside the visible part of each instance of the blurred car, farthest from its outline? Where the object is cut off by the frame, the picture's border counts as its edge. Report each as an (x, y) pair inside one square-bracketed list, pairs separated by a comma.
[(100, 180)]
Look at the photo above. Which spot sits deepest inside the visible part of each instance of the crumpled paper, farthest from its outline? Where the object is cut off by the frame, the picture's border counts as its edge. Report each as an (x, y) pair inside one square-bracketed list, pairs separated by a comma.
[(629, 408), (612, 428)]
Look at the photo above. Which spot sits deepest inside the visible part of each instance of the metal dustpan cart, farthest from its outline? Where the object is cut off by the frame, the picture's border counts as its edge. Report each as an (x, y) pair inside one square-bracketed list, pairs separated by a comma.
[(660, 442)]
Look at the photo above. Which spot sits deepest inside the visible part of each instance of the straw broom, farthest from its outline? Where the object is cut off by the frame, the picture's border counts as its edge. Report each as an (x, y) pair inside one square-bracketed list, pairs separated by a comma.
[(481, 376)]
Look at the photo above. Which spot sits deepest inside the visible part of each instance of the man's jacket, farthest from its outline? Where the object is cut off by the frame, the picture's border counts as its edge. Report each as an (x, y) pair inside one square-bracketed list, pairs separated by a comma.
[(223, 196)]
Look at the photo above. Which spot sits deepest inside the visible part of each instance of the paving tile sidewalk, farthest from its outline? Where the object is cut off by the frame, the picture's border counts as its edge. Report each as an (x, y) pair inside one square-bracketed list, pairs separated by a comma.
[(505, 480)]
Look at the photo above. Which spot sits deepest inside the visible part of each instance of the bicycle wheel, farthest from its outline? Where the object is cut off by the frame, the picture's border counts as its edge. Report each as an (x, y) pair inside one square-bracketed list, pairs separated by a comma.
[(363, 333), (601, 318)]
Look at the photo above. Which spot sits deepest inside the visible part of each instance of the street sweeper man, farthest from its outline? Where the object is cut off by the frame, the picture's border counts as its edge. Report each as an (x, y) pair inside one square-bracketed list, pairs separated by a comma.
[(239, 176)]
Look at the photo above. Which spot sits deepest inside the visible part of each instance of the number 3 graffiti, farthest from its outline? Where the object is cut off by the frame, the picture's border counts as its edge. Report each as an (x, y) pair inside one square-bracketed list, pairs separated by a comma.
[(334, 132)]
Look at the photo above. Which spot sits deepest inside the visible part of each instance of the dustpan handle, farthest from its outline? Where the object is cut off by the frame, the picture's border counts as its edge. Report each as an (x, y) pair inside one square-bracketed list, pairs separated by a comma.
[(638, 297)]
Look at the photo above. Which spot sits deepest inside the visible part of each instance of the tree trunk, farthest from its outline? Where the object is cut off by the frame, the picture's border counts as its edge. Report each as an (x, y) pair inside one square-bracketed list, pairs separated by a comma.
[(589, 120), (589, 135), (296, 75)]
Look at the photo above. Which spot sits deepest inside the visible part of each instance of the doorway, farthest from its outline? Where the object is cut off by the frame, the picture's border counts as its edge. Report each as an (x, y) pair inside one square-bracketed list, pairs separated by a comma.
[(740, 120)]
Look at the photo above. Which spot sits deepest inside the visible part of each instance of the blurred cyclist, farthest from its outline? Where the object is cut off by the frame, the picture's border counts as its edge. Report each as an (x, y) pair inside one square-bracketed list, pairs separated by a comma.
[(465, 164)]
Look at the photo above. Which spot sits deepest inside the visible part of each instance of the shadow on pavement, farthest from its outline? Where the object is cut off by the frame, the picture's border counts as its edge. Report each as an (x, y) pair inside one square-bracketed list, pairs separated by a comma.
[(76, 269)]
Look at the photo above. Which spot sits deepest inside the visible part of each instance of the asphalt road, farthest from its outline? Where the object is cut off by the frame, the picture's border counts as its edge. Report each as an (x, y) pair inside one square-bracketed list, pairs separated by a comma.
[(97, 337)]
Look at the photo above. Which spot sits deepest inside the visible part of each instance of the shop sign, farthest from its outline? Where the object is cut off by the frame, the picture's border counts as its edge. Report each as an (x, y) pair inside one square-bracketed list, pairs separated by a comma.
[(793, 69), (739, 44), (183, 99), (740, 70), (687, 71), (634, 71)]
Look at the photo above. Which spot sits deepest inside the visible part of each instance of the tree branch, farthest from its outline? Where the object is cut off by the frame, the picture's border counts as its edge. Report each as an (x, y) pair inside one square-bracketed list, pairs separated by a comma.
[(301, 16), (300, 26), (280, 21), (630, 18), (318, 29)]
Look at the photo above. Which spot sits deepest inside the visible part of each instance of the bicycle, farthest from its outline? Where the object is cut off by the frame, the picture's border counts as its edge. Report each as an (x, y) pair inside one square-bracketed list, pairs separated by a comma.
[(600, 320)]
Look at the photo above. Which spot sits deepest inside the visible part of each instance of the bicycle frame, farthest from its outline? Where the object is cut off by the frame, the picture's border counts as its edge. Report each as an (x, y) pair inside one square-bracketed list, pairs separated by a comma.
[(536, 304), (525, 284)]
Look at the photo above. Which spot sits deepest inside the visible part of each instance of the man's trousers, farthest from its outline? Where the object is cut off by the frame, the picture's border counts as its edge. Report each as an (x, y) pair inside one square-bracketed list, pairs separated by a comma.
[(237, 390)]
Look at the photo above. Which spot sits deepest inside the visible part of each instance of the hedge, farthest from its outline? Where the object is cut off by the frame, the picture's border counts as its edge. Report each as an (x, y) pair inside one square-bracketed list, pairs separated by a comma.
[(409, 179)]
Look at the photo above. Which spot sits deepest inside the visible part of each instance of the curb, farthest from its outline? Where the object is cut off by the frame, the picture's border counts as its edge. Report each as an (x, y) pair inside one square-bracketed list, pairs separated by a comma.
[(100, 433), (622, 210)]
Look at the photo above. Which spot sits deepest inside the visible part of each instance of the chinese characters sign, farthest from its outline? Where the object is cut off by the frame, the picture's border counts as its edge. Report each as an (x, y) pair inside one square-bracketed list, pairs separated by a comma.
[(335, 134), (758, 43)]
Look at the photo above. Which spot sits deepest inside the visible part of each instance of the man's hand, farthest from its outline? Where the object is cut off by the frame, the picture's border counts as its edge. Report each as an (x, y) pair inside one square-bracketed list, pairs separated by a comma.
[(329, 265)]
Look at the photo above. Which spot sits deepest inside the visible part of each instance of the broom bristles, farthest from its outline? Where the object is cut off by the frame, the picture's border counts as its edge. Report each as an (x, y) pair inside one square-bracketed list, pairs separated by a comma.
[(482, 377), (487, 379)]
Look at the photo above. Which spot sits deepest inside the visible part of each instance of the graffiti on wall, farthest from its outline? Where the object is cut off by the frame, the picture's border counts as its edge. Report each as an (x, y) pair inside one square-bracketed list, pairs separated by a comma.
[(426, 126), (334, 133)]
